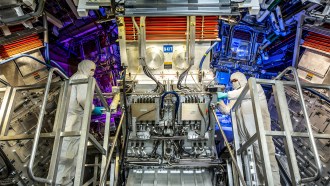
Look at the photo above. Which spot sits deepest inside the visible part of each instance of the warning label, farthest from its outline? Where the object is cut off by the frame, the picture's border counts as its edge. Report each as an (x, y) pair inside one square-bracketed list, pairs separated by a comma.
[(167, 65)]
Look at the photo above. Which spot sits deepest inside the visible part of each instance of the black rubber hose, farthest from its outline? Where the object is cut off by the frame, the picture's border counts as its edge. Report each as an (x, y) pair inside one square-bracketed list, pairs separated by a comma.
[(8, 164), (126, 123)]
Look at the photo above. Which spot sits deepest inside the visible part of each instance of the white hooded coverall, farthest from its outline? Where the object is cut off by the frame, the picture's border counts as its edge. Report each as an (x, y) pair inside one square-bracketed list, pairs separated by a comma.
[(67, 164), (246, 123)]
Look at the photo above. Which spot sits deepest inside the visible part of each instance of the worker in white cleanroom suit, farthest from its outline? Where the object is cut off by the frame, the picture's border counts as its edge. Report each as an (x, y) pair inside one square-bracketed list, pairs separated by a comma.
[(70, 145), (246, 122)]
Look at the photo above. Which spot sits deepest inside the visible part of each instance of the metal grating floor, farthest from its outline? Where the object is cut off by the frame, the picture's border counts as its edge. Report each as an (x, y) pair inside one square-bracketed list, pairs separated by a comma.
[(153, 177)]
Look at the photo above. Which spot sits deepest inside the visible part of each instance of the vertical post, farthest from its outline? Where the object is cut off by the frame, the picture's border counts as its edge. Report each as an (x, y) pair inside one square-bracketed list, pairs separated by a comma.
[(4, 106), (230, 173), (8, 112), (59, 123), (240, 174), (106, 141), (187, 40), (236, 146), (296, 51), (96, 167), (116, 168), (142, 41), (122, 41), (112, 175), (263, 148), (286, 125), (46, 38), (192, 36), (81, 157)]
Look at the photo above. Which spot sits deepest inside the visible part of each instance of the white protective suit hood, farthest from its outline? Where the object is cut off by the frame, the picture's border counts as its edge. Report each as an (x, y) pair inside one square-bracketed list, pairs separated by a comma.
[(86, 67), (241, 80)]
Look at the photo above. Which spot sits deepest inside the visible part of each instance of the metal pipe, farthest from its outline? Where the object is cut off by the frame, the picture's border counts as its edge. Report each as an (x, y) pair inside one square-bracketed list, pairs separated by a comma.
[(24, 55), (46, 39), (228, 147), (280, 18), (263, 16), (103, 177), (296, 50), (100, 95), (310, 87), (39, 125), (34, 58), (187, 40), (136, 26), (309, 128), (58, 66), (207, 52), (4, 82)]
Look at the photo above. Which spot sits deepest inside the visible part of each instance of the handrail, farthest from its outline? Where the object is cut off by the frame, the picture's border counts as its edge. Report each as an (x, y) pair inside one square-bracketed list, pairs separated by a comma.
[(240, 97), (36, 59), (4, 82), (39, 124), (102, 99), (24, 55), (240, 175), (309, 128), (103, 176)]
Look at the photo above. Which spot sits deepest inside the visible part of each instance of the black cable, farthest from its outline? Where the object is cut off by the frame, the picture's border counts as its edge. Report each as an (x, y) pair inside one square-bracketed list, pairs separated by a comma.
[(182, 76), (126, 122), (153, 152), (201, 112), (137, 118), (9, 167), (151, 76)]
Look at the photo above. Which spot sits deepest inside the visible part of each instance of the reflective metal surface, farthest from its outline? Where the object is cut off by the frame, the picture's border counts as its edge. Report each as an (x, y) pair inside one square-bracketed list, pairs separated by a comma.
[(179, 59), (154, 58)]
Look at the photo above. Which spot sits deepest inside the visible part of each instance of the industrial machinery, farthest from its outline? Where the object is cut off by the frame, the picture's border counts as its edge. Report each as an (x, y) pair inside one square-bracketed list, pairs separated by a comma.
[(159, 66)]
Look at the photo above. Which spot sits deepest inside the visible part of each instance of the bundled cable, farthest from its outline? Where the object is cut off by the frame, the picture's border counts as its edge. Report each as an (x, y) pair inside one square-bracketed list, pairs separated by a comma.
[(181, 77), (159, 86)]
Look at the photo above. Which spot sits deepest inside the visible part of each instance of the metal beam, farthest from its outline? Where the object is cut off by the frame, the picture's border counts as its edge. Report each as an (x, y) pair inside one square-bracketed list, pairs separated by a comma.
[(58, 23), (73, 8)]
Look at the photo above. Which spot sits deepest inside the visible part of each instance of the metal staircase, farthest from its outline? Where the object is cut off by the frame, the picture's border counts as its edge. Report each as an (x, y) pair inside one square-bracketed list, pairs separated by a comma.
[(243, 150), (58, 133)]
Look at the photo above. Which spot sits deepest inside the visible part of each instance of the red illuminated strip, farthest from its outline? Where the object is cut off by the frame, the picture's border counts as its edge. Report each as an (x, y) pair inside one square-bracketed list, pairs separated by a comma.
[(317, 41), (20, 46), (173, 28)]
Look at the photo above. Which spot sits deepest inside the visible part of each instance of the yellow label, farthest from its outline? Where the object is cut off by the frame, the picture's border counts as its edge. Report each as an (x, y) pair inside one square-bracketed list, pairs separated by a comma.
[(309, 76), (167, 63)]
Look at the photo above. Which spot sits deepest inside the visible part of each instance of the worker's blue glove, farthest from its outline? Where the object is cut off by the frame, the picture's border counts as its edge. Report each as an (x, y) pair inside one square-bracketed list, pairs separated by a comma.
[(97, 111), (222, 95)]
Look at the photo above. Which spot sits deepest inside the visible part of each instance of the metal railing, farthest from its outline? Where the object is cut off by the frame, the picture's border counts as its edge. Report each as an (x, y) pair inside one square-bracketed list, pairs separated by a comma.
[(39, 125), (240, 174), (114, 144), (286, 125), (60, 119), (308, 124)]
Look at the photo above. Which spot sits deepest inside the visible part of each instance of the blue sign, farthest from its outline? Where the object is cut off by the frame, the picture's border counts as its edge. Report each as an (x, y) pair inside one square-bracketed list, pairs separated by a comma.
[(168, 48)]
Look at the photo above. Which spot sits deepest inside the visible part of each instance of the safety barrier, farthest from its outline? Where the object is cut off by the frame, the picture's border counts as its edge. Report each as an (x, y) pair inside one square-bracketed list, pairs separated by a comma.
[(286, 125), (7, 108)]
